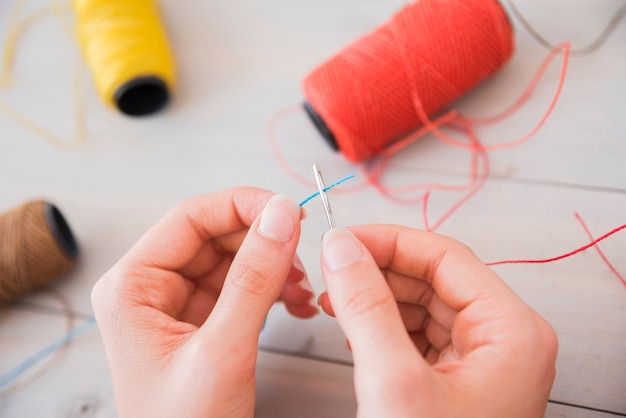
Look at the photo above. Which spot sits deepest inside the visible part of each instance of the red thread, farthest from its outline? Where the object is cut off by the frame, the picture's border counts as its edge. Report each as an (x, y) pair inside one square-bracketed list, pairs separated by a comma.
[(412, 100), (602, 256), (427, 55), (594, 242), (478, 180)]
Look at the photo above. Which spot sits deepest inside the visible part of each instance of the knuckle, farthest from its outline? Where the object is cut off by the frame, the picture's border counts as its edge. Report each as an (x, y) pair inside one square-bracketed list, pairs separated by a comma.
[(426, 296), (109, 293), (97, 295), (455, 246), (182, 207), (103, 301), (364, 302), (395, 386), (451, 251), (539, 343), (548, 339), (254, 278), (543, 349)]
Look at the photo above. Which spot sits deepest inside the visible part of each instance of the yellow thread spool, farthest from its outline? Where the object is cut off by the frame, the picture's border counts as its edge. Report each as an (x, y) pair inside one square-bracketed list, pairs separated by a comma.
[(127, 50)]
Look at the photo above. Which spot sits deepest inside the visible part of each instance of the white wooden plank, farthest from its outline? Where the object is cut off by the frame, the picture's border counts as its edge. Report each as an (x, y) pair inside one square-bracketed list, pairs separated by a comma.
[(564, 411), (295, 387), (76, 385)]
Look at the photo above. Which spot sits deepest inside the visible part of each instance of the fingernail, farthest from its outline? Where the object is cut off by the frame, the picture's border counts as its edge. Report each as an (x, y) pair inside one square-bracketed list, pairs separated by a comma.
[(319, 300), (340, 248), (278, 220)]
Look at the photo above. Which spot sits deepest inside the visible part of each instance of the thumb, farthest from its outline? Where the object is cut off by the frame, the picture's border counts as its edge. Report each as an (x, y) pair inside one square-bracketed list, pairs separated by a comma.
[(258, 272), (365, 307)]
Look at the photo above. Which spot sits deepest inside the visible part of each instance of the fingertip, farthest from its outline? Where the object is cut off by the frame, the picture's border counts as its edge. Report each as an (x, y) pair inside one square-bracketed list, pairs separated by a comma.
[(361, 299), (304, 311), (340, 249), (299, 299), (298, 293), (280, 218), (297, 272), (323, 301)]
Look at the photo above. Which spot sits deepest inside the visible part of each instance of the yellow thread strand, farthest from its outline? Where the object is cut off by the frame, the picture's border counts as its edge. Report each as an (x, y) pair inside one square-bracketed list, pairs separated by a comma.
[(122, 41), (7, 56), (15, 30)]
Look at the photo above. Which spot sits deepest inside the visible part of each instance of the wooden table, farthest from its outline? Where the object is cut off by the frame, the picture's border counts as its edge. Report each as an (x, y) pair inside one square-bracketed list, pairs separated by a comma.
[(240, 63)]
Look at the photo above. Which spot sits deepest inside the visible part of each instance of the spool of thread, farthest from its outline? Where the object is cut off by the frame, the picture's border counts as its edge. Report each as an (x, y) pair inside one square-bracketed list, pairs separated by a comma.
[(427, 55), (37, 248), (127, 50)]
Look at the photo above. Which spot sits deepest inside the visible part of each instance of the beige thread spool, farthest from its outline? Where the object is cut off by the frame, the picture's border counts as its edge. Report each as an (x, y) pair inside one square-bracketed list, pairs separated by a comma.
[(37, 248)]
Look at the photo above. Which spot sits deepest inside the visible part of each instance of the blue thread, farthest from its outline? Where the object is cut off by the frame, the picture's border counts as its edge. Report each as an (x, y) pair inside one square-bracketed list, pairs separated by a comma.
[(41, 354), (327, 188), (13, 374), (308, 199)]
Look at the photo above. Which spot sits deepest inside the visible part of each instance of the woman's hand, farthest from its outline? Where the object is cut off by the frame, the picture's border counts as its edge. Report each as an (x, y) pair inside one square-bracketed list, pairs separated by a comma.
[(434, 332), (181, 313)]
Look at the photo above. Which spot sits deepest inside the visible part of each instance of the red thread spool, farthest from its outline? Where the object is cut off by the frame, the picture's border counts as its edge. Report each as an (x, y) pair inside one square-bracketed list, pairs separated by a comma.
[(427, 55)]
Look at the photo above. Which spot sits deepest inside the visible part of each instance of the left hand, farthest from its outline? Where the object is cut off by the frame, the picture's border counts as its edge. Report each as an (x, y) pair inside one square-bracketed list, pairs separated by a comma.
[(181, 313)]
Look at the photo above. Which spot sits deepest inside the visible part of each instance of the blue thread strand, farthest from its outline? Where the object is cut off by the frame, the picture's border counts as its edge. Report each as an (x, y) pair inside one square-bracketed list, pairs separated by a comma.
[(327, 188), (44, 352), (14, 373), (308, 199)]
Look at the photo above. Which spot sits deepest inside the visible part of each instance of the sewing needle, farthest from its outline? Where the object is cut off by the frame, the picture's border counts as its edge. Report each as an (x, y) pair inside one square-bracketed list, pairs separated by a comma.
[(322, 189)]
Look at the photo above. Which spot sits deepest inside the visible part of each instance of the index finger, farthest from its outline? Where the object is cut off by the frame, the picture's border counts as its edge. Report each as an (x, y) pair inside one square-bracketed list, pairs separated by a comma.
[(456, 274), (176, 239)]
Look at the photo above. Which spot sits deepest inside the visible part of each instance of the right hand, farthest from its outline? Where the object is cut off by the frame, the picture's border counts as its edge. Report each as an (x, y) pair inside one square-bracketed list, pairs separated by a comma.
[(180, 314), (480, 351)]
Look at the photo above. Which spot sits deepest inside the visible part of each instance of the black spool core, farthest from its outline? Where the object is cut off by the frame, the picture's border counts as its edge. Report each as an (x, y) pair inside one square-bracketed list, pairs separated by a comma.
[(142, 96), (321, 126), (61, 231)]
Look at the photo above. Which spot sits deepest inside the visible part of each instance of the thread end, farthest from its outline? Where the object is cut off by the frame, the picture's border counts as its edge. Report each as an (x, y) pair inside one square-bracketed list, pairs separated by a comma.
[(142, 96), (61, 231), (321, 126)]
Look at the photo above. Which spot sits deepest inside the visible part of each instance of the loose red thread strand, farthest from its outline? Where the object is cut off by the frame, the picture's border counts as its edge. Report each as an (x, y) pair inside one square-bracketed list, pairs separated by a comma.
[(560, 257), (375, 168), (600, 253), (475, 145), (527, 93), (478, 184)]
